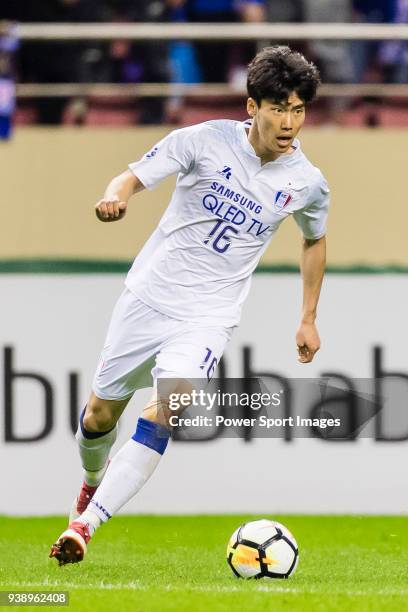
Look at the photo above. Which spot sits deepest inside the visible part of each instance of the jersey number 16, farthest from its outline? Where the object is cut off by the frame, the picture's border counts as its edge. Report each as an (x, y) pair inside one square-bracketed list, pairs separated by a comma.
[(218, 237)]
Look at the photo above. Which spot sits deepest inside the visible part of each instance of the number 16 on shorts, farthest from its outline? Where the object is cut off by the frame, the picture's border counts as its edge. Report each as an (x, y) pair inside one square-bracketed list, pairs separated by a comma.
[(209, 364)]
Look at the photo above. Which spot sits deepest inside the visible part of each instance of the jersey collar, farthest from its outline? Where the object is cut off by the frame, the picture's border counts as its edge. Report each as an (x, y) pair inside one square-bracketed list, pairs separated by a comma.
[(248, 148)]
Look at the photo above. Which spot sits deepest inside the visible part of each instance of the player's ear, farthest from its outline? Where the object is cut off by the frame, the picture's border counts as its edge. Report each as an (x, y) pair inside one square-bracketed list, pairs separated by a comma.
[(252, 107)]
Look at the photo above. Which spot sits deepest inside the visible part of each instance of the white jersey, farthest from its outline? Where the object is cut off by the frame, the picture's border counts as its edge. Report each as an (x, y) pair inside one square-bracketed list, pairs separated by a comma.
[(197, 265)]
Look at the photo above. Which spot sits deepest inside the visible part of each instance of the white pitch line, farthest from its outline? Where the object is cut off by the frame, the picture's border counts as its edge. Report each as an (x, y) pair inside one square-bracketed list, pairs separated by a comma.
[(134, 586)]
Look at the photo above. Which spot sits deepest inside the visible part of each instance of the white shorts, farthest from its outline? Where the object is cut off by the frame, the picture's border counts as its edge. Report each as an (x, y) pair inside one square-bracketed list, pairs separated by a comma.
[(143, 345)]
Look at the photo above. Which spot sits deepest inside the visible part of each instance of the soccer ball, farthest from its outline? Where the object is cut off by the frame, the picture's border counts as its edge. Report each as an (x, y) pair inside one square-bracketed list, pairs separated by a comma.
[(262, 549)]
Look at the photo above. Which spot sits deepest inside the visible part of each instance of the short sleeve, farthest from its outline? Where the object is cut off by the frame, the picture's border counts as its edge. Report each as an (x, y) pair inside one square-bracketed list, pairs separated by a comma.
[(312, 220), (173, 154)]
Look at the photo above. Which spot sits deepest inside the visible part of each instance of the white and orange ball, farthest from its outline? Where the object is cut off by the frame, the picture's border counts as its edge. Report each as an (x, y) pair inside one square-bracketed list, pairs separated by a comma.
[(262, 549)]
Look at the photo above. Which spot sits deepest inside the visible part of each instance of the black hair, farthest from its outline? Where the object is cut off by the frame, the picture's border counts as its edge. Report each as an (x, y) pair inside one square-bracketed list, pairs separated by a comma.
[(276, 72)]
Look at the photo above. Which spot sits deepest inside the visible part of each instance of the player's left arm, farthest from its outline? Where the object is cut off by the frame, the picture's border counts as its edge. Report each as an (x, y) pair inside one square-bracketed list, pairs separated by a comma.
[(312, 220), (312, 264)]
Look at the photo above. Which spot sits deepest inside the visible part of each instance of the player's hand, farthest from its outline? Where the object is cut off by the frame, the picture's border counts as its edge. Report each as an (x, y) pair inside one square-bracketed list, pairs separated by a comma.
[(110, 210), (308, 342)]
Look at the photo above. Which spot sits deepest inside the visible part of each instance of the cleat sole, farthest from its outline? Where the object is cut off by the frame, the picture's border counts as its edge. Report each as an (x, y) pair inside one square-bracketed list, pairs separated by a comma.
[(70, 548)]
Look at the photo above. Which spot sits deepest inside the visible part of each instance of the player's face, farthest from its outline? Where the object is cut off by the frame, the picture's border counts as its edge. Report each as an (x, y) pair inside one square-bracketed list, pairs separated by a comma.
[(277, 123)]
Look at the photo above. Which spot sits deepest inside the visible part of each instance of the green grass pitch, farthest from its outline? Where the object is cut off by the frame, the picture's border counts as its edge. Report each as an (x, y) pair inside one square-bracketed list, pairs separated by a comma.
[(178, 563)]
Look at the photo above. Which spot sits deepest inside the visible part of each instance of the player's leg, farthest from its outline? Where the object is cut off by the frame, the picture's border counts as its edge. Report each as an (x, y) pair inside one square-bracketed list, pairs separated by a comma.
[(122, 368), (126, 474), (96, 434), (133, 338), (135, 462), (187, 355), (183, 356)]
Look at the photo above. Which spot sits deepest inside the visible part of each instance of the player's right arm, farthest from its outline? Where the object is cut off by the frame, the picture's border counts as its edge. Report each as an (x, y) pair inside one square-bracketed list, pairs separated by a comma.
[(173, 154), (113, 205)]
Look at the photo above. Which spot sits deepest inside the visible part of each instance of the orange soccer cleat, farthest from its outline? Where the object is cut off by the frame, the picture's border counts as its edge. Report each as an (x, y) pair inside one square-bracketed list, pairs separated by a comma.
[(71, 546)]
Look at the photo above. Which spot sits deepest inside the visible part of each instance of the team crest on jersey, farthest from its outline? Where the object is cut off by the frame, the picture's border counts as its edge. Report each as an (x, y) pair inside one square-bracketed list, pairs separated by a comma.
[(226, 172), (282, 199)]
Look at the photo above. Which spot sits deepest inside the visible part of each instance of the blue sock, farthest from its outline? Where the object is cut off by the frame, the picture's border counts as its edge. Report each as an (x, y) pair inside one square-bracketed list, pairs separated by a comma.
[(152, 435)]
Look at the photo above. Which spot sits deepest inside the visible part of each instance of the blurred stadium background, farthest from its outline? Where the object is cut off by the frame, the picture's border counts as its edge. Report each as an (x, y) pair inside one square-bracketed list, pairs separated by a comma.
[(85, 88)]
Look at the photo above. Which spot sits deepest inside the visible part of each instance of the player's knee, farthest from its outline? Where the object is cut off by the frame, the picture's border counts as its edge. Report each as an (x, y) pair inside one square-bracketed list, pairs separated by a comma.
[(155, 415), (161, 407), (98, 417)]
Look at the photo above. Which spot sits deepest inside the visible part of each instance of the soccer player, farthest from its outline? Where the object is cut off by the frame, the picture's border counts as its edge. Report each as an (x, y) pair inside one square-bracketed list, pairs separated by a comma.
[(237, 182)]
